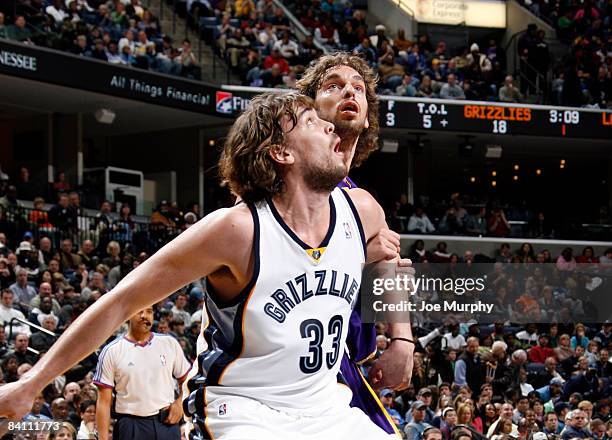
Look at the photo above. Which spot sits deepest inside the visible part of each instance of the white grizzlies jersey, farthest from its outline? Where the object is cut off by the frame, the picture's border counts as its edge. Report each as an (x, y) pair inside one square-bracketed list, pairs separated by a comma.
[(281, 340)]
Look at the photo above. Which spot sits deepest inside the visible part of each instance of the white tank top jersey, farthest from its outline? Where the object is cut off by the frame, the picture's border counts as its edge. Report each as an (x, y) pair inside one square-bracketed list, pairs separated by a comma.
[(281, 340)]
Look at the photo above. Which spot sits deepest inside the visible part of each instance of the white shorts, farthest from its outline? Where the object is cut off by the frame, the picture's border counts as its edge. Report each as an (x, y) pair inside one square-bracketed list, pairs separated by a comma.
[(241, 418)]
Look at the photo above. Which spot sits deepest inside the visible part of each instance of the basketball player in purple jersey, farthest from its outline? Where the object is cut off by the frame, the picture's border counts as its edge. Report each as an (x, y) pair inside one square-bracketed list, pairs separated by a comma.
[(334, 82)]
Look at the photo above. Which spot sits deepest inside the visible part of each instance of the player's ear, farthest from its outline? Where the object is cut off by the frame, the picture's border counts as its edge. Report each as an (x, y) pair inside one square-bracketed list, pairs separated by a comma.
[(366, 124), (281, 154)]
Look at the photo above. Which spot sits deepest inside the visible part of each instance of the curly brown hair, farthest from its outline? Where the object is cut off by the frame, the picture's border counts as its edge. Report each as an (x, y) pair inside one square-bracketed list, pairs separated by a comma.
[(245, 164), (311, 82)]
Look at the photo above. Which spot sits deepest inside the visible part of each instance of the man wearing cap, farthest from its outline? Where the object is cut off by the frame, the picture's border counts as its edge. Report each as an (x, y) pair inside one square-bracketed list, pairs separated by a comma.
[(414, 430), (129, 365), (386, 398), (551, 393), (24, 293), (425, 396), (540, 352)]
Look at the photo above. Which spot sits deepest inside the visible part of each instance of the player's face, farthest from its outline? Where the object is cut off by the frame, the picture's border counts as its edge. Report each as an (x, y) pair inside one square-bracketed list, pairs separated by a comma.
[(315, 150), (341, 99)]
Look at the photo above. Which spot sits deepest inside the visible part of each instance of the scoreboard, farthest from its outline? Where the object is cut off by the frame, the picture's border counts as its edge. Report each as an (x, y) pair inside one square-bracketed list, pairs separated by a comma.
[(495, 118)]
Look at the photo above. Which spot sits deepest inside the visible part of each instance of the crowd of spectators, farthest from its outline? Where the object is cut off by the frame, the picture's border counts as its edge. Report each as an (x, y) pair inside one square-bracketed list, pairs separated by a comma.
[(501, 381), (584, 76), (120, 32), (468, 216), (257, 42)]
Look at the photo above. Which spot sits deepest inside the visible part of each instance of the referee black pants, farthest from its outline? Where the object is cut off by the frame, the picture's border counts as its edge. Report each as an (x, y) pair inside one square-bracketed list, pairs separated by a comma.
[(144, 428)]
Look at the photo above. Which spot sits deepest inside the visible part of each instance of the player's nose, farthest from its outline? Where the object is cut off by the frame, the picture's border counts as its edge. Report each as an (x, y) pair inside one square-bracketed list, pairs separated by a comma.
[(329, 127)]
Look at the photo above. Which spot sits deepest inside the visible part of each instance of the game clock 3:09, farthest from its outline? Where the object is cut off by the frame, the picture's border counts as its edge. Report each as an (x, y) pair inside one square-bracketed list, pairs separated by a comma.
[(564, 116)]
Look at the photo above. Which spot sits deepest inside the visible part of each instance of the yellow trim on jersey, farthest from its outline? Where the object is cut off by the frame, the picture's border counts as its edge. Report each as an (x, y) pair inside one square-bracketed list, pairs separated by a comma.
[(377, 400), (206, 417), (316, 253), (367, 358), (246, 303)]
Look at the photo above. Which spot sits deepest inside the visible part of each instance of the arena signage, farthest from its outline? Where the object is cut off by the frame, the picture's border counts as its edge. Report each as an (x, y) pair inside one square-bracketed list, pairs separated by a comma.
[(477, 13), (68, 70), (17, 60), (228, 101)]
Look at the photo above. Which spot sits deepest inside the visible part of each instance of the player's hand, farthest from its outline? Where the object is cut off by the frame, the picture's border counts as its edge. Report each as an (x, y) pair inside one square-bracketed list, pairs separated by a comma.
[(16, 401), (384, 246), (393, 369), (175, 413)]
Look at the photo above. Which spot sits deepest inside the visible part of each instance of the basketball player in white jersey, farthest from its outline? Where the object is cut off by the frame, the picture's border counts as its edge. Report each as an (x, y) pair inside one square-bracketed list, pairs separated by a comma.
[(284, 270)]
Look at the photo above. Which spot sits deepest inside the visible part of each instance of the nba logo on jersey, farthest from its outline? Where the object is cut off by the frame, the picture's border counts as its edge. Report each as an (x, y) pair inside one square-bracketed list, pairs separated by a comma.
[(348, 232), (223, 409), (224, 103), (162, 358)]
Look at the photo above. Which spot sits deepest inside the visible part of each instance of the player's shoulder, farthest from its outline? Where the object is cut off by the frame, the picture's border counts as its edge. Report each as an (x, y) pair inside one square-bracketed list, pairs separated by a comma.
[(235, 223), (364, 202)]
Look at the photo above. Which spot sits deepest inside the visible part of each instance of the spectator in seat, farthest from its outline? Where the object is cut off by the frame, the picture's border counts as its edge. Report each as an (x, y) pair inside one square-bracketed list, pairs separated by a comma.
[(276, 58), (406, 88), (178, 310), (425, 89), (386, 398), (391, 73), (401, 43), (61, 216), (57, 11), (26, 189), (577, 427), (112, 53), (8, 312), (288, 49), (480, 59), (126, 57), (45, 308), (9, 200), (327, 34), (272, 77), (39, 217), (451, 90), (542, 351), (236, 46), (45, 290), (42, 341), (366, 51), (96, 284), (187, 61), (69, 260), (414, 430), (22, 291), (505, 416), (419, 223), (498, 225), (566, 261), (588, 256), (87, 255), (509, 92), (119, 16), (476, 224), (22, 342)]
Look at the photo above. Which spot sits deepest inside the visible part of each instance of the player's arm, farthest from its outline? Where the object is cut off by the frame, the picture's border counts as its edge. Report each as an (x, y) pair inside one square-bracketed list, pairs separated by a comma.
[(397, 360), (222, 240), (103, 410)]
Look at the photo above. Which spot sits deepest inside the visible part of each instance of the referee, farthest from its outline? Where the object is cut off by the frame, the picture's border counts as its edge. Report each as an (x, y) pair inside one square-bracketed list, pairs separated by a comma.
[(141, 367)]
